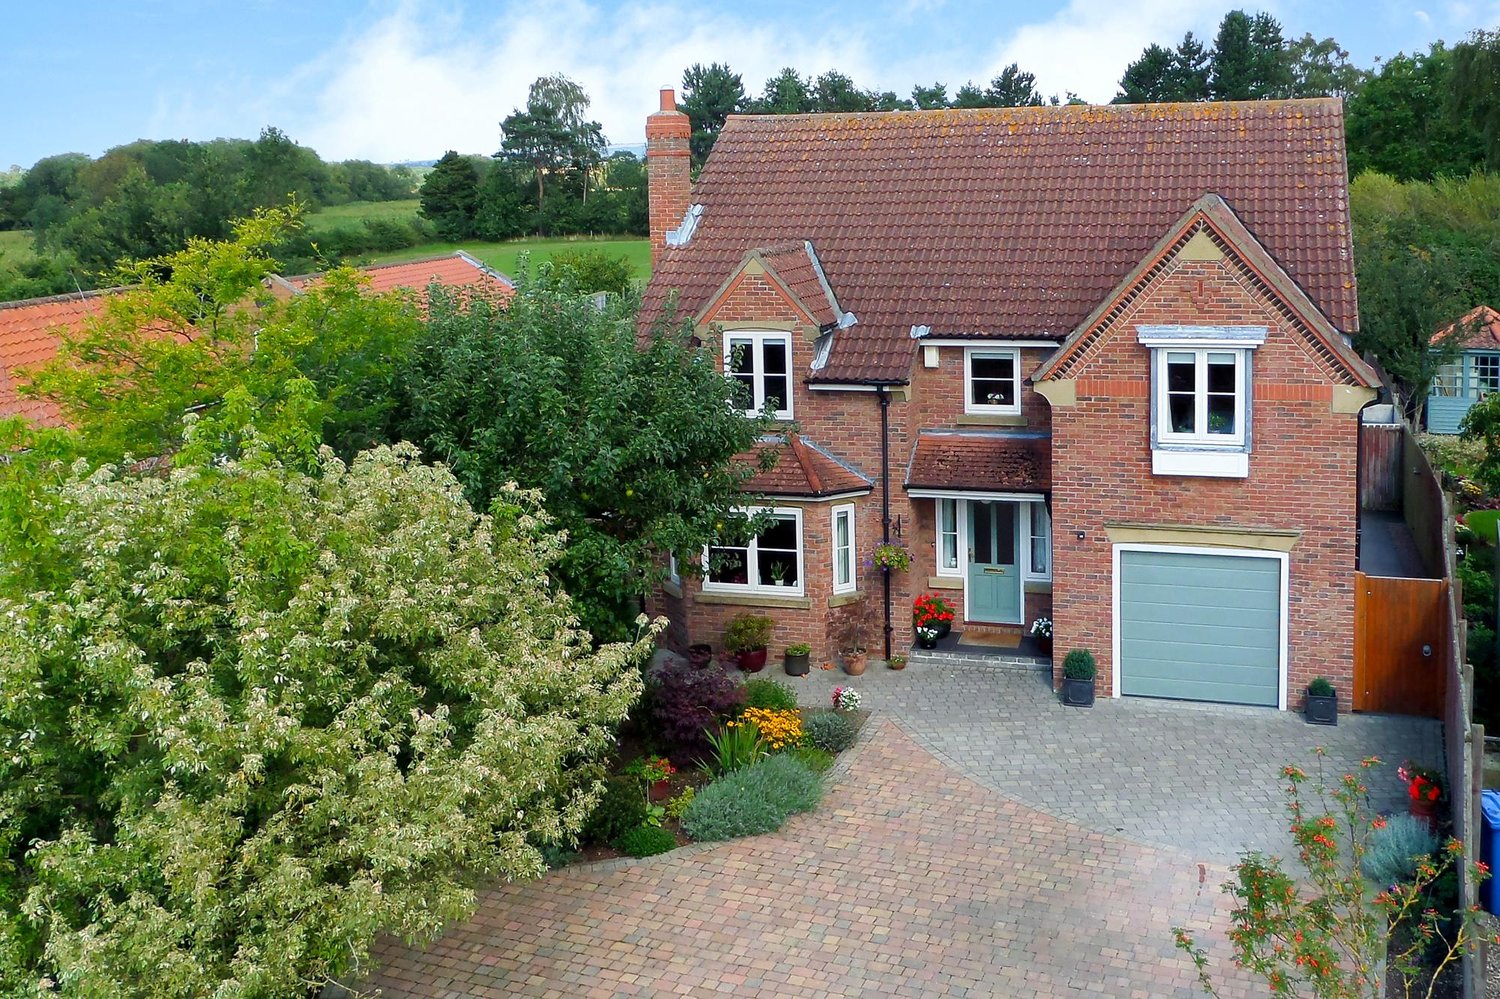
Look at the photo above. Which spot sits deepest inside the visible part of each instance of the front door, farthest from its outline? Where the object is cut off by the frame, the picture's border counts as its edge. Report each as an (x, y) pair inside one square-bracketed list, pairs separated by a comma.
[(994, 572)]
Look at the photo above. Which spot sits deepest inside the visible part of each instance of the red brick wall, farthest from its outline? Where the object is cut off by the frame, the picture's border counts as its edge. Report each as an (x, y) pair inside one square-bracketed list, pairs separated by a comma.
[(669, 177), (1302, 473)]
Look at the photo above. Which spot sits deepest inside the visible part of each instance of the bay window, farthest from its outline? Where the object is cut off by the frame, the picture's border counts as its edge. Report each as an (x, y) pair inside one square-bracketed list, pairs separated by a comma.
[(768, 562)]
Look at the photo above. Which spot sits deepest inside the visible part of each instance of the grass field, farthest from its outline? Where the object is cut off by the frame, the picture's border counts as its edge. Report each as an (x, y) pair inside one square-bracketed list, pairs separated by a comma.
[(15, 246), (357, 211), (503, 256)]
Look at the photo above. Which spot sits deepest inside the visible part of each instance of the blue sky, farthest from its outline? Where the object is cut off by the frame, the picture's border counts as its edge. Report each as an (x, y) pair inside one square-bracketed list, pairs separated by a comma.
[(393, 80)]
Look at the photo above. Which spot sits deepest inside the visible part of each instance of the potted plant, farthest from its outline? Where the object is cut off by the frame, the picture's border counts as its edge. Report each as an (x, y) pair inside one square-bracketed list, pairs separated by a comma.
[(1322, 703), (891, 556), (747, 637), (845, 699), (797, 659), (700, 654), (1078, 678), (850, 634), (778, 573), (655, 772), (1041, 630), (932, 616), (1424, 791), (897, 662)]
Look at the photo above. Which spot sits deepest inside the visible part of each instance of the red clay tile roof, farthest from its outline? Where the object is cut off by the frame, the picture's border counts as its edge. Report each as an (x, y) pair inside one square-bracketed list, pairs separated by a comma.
[(803, 469), (453, 270), (995, 460), (29, 337), (1009, 222), (1481, 326), (796, 264)]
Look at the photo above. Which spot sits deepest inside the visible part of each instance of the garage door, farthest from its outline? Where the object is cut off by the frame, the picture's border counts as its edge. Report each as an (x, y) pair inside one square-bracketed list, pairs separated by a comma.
[(1200, 627)]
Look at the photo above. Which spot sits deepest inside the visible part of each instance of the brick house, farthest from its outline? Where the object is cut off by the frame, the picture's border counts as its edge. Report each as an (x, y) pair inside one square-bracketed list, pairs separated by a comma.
[(1089, 363)]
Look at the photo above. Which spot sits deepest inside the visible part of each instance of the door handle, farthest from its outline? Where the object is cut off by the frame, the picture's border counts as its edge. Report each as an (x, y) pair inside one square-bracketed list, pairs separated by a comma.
[(995, 572)]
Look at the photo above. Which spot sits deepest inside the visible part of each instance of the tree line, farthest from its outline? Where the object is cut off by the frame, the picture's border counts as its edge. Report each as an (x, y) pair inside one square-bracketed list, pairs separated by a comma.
[(550, 176), (148, 198)]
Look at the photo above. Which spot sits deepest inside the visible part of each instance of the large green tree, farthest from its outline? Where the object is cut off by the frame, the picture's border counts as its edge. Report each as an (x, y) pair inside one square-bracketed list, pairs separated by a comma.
[(630, 443), (1476, 89), (252, 718), (553, 134), (450, 196), (710, 94), (1400, 121), (1250, 59)]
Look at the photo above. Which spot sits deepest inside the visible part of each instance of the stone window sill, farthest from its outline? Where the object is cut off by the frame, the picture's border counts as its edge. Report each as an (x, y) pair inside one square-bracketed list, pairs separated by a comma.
[(754, 600)]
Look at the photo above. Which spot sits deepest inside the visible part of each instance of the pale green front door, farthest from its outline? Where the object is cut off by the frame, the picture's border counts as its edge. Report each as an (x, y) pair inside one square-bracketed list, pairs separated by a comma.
[(994, 569)]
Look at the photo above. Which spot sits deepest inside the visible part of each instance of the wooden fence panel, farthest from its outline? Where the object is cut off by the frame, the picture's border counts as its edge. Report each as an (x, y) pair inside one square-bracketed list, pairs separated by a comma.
[(1380, 466), (1394, 620)]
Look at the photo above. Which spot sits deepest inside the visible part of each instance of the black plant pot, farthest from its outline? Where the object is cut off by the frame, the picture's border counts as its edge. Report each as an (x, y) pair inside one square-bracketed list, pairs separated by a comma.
[(700, 655), (1078, 693), (1322, 710), (797, 665)]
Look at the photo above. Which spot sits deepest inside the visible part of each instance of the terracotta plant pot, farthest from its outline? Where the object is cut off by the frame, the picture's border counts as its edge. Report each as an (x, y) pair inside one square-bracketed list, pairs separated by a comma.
[(855, 662), (1425, 810), (751, 660), (897, 662), (660, 790)]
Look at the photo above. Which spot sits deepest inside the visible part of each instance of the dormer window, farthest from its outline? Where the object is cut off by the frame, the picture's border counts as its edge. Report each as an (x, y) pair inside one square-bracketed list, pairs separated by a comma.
[(1200, 398), (992, 381), (761, 362)]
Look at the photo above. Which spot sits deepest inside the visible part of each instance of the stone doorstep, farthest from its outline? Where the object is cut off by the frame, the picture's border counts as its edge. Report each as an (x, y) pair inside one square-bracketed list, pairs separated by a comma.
[(994, 660)]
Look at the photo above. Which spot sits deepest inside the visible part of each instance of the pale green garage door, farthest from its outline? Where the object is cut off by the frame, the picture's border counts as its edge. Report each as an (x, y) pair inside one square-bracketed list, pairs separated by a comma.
[(1200, 627)]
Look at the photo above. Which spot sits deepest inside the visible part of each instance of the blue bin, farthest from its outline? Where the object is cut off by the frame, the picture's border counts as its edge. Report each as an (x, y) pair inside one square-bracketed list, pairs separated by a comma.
[(1489, 847)]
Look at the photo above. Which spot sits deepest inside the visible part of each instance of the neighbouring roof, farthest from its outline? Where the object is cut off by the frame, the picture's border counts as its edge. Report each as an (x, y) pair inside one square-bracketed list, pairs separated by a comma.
[(981, 461), (453, 270), (29, 337), (1480, 329), (1011, 222), (803, 469)]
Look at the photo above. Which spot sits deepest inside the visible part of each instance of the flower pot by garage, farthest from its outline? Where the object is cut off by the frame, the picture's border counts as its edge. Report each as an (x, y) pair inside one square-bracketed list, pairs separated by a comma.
[(798, 665), (659, 790), (855, 662), (751, 660), (1322, 710), (1078, 693), (700, 655)]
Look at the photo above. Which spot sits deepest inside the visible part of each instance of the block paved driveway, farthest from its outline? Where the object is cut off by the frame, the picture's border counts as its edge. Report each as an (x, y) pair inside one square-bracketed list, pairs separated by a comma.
[(918, 876)]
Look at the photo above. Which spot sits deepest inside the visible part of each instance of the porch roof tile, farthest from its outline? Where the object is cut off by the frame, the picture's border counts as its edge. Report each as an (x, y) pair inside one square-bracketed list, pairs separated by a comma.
[(981, 461)]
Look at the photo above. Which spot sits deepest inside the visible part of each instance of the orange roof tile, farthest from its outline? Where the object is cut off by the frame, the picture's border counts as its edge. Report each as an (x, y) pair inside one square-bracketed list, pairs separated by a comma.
[(981, 460), (29, 337), (452, 270), (1481, 329), (1008, 222), (803, 469)]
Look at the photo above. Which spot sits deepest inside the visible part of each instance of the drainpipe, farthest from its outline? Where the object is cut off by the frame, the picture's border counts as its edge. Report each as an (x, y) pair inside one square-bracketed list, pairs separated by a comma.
[(885, 503)]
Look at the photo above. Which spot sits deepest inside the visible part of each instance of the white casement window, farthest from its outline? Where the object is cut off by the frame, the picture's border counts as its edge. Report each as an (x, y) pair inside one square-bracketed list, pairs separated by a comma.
[(1200, 398), (992, 380), (844, 578), (770, 562), (1040, 566), (674, 572), (761, 362), (947, 538)]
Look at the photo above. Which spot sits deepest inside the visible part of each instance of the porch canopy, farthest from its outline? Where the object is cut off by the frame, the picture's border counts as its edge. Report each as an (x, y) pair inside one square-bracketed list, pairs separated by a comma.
[(1015, 462)]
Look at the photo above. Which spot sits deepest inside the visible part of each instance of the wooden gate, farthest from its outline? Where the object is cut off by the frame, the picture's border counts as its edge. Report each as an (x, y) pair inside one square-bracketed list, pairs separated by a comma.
[(1400, 628)]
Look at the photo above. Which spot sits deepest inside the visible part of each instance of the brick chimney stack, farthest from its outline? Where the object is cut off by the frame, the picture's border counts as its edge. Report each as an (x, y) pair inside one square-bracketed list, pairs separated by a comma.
[(668, 169)]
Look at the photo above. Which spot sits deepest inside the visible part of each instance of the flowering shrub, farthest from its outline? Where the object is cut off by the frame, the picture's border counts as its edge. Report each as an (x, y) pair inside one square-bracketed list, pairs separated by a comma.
[(846, 698), (1422, 783), (889, 556), (1332, 938), (780, 728), (651, 769)]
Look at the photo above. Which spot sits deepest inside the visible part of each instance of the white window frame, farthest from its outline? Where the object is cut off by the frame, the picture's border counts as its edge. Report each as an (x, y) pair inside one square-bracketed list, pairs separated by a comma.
[(674, 571), (1029, 520), (851, 556), (757, 344), (752, 567), (981, 409), (957, 531), (1166, 437)]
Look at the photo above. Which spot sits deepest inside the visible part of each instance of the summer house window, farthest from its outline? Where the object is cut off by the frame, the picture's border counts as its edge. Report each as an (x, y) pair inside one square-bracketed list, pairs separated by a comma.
[(1484, 374), (761, 364), (992, 381), (770, 562), (843, 549)]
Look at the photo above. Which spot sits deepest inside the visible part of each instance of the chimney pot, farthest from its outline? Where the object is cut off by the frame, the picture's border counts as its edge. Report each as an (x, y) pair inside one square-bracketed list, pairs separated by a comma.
[(668, 99)]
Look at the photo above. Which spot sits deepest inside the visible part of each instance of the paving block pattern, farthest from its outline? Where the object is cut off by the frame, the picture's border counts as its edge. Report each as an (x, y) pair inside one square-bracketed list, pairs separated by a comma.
[(911, 880)]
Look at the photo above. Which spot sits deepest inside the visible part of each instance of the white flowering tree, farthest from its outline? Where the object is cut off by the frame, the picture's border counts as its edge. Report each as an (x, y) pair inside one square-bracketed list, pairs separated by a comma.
[(258, 717)]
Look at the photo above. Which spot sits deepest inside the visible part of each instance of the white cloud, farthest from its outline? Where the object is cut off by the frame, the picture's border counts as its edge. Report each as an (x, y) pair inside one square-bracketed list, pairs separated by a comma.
[(1086, 45), (417, 81)]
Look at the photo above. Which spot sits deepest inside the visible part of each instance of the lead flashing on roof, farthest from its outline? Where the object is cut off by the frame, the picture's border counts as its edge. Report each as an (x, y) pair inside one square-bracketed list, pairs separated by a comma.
[(683, 234), (918, 332), (821, 346)]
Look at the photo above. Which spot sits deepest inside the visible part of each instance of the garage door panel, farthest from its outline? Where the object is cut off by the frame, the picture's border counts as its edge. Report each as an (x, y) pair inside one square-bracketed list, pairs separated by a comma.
[(1200, 627)]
